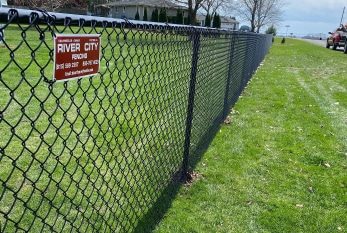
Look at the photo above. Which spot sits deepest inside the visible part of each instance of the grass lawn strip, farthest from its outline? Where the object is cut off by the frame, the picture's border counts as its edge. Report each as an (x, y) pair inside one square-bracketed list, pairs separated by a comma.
[(281, 165)]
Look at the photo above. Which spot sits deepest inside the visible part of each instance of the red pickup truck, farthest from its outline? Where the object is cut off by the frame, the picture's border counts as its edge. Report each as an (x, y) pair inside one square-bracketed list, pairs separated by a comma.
[(338, 39)]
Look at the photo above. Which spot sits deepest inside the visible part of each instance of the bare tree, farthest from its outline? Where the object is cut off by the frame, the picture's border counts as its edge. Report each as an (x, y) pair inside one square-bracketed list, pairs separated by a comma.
[(212, 6), (269, 13), (49, 5), (193, 7), (259, 12)]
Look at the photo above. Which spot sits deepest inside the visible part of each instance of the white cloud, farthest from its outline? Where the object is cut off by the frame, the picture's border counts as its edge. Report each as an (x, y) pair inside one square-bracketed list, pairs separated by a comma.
[(303, 28), (313, 16), (309, 5)]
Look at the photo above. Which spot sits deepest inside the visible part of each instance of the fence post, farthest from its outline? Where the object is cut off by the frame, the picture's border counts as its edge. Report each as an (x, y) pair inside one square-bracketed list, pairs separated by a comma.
[(227, 86), (2, 36), (189, 119)]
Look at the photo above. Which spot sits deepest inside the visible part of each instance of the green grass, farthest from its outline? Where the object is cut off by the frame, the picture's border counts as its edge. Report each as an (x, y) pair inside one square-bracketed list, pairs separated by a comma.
[(281, 165)]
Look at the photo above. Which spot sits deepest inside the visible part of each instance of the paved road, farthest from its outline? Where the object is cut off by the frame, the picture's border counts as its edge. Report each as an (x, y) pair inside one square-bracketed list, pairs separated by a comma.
[(316, 42), (320, 43)]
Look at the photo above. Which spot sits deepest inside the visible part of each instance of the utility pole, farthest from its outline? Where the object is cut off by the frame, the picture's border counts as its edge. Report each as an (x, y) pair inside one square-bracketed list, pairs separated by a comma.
[(343, 13), (287, 26)]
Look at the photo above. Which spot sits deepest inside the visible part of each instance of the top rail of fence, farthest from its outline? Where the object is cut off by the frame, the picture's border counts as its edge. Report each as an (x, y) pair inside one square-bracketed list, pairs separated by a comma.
[(8, 14)]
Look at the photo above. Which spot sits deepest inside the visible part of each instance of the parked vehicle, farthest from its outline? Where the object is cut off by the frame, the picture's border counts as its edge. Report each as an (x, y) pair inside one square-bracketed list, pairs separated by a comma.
[(338, 39)]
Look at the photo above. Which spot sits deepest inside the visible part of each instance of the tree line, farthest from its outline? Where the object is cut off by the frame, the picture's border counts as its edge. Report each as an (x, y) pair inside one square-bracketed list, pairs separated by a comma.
[(258, 13), (161, 16)]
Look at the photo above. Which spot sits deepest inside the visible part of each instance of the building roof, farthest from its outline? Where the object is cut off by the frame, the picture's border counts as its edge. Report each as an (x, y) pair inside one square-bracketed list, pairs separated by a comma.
[(225, 19), (149, 3)]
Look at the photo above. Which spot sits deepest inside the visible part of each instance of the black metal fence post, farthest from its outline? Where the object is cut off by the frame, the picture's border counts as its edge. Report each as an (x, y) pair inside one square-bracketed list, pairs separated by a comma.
[(229, 79), (195, 56)]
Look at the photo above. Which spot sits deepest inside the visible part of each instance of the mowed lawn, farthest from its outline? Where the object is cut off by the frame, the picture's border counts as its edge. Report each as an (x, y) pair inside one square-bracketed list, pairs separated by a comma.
[(281, 165)]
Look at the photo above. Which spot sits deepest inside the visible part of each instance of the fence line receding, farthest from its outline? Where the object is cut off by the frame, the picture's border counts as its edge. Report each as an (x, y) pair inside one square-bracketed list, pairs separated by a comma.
[(94, 154)]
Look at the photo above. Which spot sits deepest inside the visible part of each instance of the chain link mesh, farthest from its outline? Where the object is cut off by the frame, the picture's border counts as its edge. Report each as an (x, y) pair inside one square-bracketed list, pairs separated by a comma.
[(95, 154)]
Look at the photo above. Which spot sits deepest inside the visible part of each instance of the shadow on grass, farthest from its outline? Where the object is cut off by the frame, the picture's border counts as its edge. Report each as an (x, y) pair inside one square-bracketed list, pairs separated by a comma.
[(160, 207), (163, 203)]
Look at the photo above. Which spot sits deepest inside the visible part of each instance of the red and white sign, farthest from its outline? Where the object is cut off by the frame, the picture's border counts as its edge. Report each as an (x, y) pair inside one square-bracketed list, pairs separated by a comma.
[(76, 56)]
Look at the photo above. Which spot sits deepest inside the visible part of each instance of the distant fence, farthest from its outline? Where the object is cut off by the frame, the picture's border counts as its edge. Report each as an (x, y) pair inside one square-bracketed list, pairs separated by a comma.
[(95, 154)]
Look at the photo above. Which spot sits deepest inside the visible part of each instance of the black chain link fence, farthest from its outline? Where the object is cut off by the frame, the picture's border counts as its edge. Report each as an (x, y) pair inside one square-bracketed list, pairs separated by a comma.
[(95, 154)]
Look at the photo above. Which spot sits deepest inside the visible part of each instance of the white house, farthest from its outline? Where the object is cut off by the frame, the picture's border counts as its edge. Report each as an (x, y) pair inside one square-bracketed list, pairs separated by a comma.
[(3, 3), (229, 23), (128, 8), (2, 36)]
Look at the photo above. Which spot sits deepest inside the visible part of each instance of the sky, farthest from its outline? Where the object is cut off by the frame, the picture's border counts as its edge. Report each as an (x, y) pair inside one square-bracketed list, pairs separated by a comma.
[(312, 16)]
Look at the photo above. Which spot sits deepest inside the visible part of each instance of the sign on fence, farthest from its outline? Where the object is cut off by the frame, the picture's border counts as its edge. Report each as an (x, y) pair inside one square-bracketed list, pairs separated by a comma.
[(76, 56)]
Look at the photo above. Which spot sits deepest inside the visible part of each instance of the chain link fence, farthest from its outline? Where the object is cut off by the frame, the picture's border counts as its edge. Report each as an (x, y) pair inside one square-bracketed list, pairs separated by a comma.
[(95, 154)]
